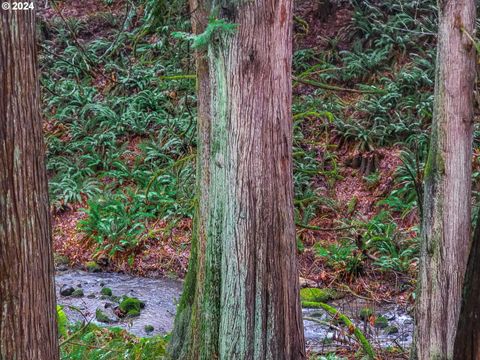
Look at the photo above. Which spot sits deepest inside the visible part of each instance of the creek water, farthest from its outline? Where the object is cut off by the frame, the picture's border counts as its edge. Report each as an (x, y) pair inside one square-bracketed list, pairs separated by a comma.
[(161, 296)]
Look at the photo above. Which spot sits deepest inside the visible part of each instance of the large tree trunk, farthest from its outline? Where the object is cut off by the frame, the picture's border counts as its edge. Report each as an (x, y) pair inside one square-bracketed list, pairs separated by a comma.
[(467, 342), (446, 220), (27, 297), (241, 294)]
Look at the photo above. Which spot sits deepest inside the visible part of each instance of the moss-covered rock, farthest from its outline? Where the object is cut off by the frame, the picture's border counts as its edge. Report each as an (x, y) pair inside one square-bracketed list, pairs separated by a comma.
[(128, 304), (311, 297), (78, 293), (103, 317), (133, 313), (390, 330), (106, 291), (60, 259), (92, 267), (381, 322), (148, 328), (365, 313)]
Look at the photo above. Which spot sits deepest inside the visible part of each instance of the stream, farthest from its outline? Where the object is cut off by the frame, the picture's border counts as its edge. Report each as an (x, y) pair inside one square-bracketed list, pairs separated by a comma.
[(160, 297)]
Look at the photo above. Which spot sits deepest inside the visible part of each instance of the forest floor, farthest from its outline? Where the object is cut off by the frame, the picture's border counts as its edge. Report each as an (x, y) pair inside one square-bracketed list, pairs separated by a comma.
[(344, 182)]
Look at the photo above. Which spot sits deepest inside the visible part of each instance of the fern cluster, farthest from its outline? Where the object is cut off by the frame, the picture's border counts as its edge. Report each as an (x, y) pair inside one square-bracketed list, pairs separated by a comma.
[(112, 123)]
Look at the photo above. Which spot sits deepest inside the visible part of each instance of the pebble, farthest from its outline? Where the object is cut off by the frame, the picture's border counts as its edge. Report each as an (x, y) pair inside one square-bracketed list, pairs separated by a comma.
[(66, 290)]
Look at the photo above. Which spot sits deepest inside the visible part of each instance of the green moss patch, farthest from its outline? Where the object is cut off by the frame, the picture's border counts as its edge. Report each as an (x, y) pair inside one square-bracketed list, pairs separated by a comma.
[(148, 328), (92, 267), (312, 297), (103, 317), (381, 322), (391, 330), (106, 291), (133, 313), (365, 313), (78, 293), (131, 306)]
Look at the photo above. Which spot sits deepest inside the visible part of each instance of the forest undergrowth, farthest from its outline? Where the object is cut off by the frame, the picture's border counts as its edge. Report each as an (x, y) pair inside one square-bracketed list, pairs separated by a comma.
[(119, 109)]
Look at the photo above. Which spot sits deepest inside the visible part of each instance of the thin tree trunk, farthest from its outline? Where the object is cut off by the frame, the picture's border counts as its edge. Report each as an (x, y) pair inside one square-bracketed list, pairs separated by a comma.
[(27, 298), (244, 302), (446, 220), (467, 342)]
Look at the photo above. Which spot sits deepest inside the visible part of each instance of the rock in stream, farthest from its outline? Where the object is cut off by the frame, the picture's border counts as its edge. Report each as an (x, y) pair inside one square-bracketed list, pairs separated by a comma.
[(159, 295)]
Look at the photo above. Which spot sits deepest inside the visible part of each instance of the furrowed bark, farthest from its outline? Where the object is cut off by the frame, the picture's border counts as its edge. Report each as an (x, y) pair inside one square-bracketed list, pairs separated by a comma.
[(27, 298), (246, 303), (446, 221), (186, 331), (467, 342)]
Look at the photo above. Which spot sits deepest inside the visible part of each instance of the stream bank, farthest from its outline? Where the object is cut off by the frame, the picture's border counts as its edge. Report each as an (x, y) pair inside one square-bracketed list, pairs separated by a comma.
[(160, 297)]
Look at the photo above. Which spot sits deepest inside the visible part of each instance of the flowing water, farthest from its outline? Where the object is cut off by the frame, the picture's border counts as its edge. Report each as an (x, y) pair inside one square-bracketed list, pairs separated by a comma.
[(161, 296)]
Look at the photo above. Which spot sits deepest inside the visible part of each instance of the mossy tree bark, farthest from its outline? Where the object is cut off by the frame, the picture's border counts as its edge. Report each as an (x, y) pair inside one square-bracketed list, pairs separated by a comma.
[(446, 218), (241, 296), (27, 297)]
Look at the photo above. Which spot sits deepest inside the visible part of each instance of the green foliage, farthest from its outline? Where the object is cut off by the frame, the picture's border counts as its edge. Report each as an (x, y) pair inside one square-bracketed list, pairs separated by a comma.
[(112, 123), (372, 180), (392, 58), (408, 194), (214, 28), (345, 257), (96, 343), (365, 313), (381, 322), (120, 117), (117, 222), (62, 321), (307, 167), (397, 252), (359, 335), (391, 248)]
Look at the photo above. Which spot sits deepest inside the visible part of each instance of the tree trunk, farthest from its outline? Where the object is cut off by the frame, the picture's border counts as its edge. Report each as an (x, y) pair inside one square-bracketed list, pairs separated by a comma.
[(241, 294), (27, 297), (185, 330), (467, 342), (446, 221)]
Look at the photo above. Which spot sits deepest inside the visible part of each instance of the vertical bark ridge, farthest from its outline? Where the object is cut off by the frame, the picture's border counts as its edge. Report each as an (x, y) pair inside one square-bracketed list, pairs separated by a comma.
[(467, 341), (27, 297), (187, 331), (446, 221)]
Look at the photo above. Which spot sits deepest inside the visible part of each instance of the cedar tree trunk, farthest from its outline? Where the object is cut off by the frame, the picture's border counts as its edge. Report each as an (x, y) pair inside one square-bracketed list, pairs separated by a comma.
[(241, 294), (446, 219), (467, 342), (27, 298)]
